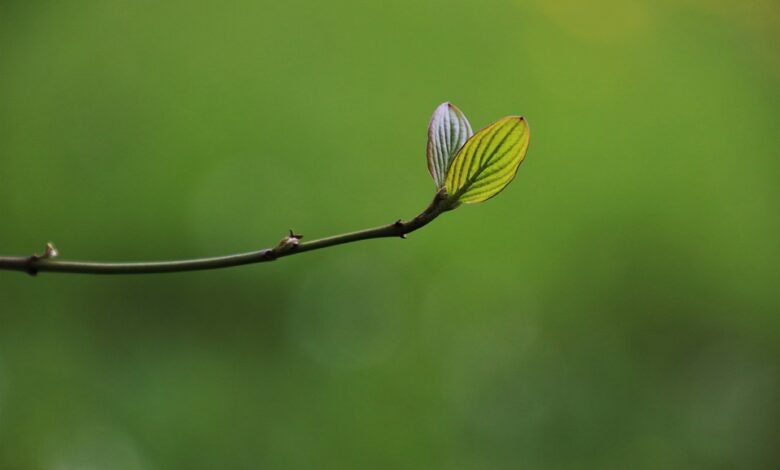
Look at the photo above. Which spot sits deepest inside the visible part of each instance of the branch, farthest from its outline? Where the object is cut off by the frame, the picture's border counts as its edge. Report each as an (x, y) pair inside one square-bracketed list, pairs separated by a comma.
[(290, 245), (466, 167)]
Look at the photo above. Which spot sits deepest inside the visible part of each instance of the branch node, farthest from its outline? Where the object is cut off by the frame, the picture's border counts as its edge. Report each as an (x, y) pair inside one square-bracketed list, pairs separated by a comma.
[(288, 243), (49, 253), (30, 265)]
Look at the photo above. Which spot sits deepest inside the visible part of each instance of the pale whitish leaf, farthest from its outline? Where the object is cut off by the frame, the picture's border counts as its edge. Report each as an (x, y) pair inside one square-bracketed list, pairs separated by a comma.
[(448, 131)]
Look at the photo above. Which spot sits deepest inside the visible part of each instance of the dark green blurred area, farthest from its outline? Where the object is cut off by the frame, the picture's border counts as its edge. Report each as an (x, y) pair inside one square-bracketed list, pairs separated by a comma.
[(616, 307)]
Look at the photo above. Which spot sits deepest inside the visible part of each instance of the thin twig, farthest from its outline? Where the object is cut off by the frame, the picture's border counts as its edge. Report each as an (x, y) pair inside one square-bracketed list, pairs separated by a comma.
[(288, 246)]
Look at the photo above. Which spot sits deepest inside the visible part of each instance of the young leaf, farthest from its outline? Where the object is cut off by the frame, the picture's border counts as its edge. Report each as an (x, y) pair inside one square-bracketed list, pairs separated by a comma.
[(488, 161), (448, 131)]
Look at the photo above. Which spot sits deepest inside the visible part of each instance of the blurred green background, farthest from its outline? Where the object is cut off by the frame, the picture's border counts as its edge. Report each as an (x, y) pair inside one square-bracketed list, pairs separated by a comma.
[(616, 307)]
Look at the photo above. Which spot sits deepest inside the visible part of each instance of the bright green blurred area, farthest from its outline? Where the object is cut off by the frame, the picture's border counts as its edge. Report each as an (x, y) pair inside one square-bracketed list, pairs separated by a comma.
[(616, 307)]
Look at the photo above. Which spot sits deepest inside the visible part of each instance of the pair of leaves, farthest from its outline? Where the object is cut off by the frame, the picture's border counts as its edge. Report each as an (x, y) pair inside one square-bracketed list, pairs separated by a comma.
[(474, 167)]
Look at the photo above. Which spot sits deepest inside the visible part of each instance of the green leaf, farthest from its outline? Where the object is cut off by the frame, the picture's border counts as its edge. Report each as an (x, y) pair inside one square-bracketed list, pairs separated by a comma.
[(448, 131), (488, 161)]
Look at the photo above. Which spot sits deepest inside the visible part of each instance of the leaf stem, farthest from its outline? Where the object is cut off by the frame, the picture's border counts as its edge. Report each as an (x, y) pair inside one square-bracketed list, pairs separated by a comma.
[(35, 264)]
